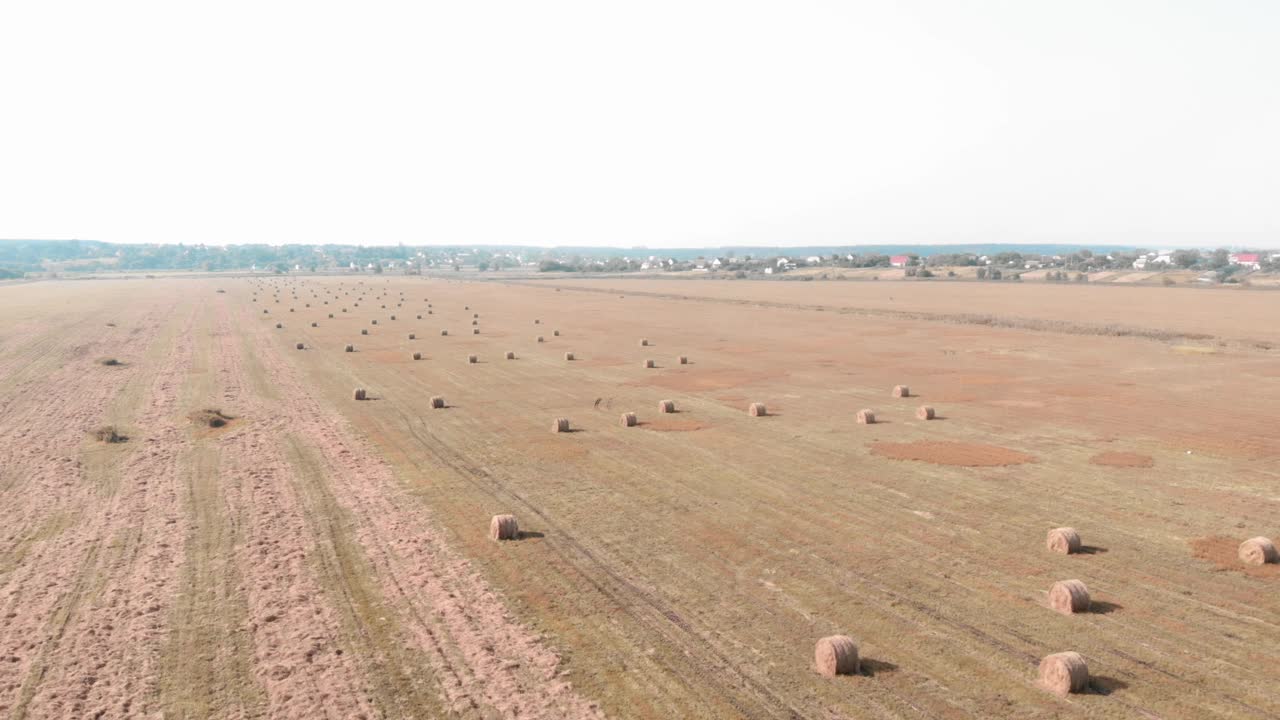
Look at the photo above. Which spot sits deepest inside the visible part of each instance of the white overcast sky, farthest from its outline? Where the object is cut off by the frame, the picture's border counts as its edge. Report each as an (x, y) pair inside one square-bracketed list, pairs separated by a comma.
[(666, 124)]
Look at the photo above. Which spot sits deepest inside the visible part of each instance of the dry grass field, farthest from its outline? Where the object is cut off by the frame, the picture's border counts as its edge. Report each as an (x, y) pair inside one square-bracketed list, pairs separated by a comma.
[(315, 556)]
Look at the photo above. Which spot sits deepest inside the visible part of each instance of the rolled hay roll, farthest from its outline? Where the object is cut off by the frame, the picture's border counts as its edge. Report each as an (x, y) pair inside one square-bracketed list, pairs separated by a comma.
[(629, 419), (650, 364), (866, 417), (431, 312), (560, 425), (1064, 673), (666, 406), (644, 342), (265, 311), (556, 333), (1063, 540), (279, 325), (568, 356), (1069, 596), (757, 410), (344, 309), (924, 412), (472, 359), (475, 315), (901, 391), (297, 346), (359, 394), (315, 324), (1258, 551), (541, 339), (413, 336), (351, 348), (836, 655), (364, 331), (475, 322), (417, 356), (437, 402), (475, 331), (393, 317), (373, 322), (683, 359), (537, 322), (444, 332), (419, 317), (504, 527), (510, 355), (290, 309), (466, 307)]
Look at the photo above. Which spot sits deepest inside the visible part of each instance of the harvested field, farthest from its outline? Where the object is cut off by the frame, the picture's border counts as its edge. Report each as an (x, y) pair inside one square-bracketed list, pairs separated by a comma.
[(320, 557)]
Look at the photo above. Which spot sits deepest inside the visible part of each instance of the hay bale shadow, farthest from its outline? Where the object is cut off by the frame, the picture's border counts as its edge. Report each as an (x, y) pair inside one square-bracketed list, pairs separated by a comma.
[(529, 535), (1090, 550), (1102, 607), (1104, 685), (869, 668)]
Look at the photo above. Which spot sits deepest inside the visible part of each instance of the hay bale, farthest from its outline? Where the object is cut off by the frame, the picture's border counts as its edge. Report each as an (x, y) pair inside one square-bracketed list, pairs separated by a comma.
[(364, 331), (393, 317), (108, 434), (556, 333), (510, 355), (1063, 540), (568, 356), (1258, 551), (504, 527), (417, 356), (1069, 596), (1063, 673), (359, 394), (475, 322), (629, 419), (437, 402), (666, 406), (683, 359), (444, 332), (351, 348), (298, 346), (413, 336), (315, 324), (924, 412), (472, 359), (475, 331), (279, 325), (901, 391), (537, 322), (419, 317), (265, 311), (836, 655), (644, 342), (757, 410), (866, 417), (475, 315), (373, 322), (560, 425), (540, 339), (650, 364)]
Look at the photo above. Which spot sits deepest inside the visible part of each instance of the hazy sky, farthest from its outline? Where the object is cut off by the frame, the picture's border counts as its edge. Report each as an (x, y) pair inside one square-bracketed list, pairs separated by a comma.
[(659, 123)]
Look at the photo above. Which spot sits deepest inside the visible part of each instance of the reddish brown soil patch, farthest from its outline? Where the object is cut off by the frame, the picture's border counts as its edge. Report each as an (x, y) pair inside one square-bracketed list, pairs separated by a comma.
[(1224, 551), (666, 425), (951, 453), (1123, 459)]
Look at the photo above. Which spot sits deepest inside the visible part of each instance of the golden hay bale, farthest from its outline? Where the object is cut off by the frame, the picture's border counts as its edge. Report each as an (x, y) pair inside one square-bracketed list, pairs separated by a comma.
[(568, 356), (757, 410), (359, 394), (924, 412), (650, 364), (836, 655), (1258, 551), (417, 356), (560, 425), (298, 346), (413, 336), (683, 359), (504, 527), (629, 419), (901, 391), (540, 339), (444, 332), (1069, 596), (437, 402), (472, 359), (667, 406), (556, 333), (364, 331), (866, 417), (351, 348), (1063, 540), (1063, 673), (644, 342), (511, 355)]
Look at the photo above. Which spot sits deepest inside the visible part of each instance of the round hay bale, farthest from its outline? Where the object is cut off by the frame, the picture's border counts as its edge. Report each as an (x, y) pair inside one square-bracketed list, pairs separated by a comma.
[(556, 333), (444, 332), (298, 346), (836, 655), (290, 309), (466, 307), (901, 391), (393, 317), (1063, 540), (683, 359), (1063, 673), (419, 317), (1258, 551), (560, 425), (373, 322), (644, 342), (650, 364), (629, 419), (540, 339), (537, 322), (510, 355), (666, 406), (568, 356), (315, 324), (924, 412), (437, 402), (413, 336), (359, 394), (475, 322), (344, 309), (472, 359), (364, 331), (866, 417), (475, 331), (504, 527), (265, 311), (757, 410), (1069, 596), (279, 325), (417, 356), (351, 348), (475, 315), (431, 312)]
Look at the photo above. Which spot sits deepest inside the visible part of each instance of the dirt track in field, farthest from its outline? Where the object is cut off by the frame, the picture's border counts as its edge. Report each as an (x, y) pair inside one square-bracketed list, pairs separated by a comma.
[(322, 557)]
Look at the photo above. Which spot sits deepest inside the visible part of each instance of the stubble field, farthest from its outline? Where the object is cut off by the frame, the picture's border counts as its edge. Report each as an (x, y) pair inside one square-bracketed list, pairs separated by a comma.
[(319, 556)]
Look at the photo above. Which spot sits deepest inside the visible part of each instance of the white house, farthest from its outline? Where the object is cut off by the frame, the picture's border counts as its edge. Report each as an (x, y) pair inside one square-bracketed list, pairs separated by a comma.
[(716, 263), (813, 260), (782, 262), (1140, 263)]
